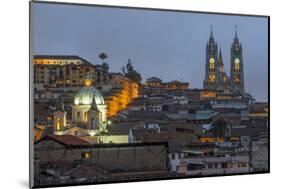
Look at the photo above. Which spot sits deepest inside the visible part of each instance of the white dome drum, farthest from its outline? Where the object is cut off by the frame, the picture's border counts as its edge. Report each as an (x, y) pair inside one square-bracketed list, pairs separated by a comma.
[(86, 95), (83, 100)]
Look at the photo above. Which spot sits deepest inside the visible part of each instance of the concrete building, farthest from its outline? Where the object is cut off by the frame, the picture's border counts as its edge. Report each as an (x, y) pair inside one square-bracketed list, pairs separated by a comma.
[(208, 159), (214, 165), (156, 83), (65, 71)]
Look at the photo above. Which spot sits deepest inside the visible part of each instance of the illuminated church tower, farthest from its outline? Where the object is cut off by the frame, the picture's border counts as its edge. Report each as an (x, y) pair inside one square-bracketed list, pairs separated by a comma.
[(236, 66), (94, 119), (223, 79), (220, 70), (59, 119), (211, 66)]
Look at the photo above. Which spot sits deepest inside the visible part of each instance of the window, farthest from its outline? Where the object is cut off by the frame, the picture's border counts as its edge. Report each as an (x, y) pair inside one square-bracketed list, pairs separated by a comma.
[(212, 77), (58, 124), (85, 116), (86, 155), (78, 116), (224, 165), (173, 156), (242, 165), (236, 66), (212, 66), (194, 167), (236, 79), (210, 166)]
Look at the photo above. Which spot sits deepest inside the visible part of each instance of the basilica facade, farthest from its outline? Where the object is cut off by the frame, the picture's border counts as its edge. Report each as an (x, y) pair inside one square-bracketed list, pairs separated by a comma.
[(215, 75)]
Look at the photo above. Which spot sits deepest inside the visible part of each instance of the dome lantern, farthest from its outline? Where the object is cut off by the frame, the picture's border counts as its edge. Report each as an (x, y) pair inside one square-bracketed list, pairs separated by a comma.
[(88, 81)]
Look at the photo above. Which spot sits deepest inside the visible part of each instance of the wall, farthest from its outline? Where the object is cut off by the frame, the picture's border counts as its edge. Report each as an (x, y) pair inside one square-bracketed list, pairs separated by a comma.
[(122, 158)]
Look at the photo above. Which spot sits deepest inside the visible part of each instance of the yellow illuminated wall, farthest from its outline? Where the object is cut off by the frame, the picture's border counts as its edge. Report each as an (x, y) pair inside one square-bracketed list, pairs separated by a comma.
[(56, 61), (176, 86), (217, 139), (154, 84), (211, 139), (207, 94), (38, 131), (121, 98)]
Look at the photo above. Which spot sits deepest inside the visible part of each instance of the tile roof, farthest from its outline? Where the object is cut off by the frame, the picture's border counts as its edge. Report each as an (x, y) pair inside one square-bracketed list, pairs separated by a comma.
[(66, 140), (146, 115), (56, 57), (249, 131), (200, 115), (87, 171), (153, 79)]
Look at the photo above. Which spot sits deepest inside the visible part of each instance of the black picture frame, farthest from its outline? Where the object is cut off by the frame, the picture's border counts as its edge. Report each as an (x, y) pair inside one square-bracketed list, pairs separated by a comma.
[(31, 111)]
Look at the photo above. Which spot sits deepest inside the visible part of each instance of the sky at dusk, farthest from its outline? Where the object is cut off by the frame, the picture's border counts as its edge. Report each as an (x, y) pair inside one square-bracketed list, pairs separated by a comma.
[(168, 45)]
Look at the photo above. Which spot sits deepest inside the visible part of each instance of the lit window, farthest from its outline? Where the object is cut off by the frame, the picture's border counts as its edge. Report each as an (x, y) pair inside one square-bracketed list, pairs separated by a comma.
[(236, 66), (58, 124), (224, 165), (212, 66), (212, 77), (86, 155)]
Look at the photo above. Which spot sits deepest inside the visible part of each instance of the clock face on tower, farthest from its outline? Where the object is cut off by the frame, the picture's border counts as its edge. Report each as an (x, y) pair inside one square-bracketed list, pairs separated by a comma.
[(212, 60), (236, 61)]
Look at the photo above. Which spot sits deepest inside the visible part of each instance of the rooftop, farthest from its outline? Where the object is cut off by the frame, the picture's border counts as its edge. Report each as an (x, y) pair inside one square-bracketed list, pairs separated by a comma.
[(62, 57), (199, 115), (66, 140)]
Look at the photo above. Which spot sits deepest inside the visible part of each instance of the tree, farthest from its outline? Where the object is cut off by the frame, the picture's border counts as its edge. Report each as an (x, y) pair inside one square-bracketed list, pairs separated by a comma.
[(102, 56)]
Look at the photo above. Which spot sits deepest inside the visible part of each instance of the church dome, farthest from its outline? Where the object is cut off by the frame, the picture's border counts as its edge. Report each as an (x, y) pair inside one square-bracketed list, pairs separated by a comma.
[(86, 95)]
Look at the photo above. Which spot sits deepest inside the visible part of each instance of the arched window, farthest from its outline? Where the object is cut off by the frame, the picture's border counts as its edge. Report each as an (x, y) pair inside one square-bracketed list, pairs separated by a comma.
[(85, 116), (212, 77), (212, 66), (78, 116), (236, 79), (236, 66)]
